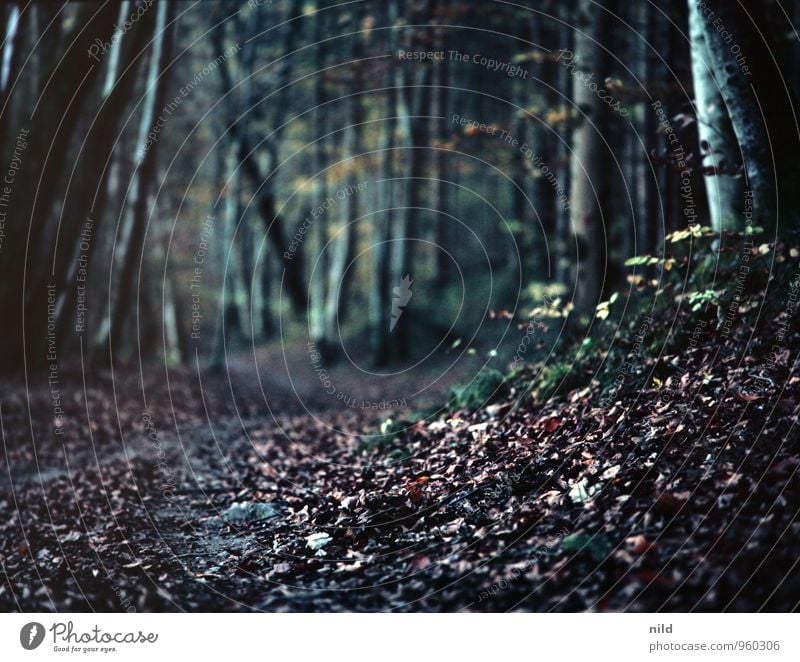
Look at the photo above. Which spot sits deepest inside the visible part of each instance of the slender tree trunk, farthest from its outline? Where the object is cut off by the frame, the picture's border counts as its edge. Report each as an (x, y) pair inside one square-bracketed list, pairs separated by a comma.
[(717, 139), (173, 350), (544, 233), (521, 99), (343, 245), (379, 309), (795, 48), (20, 30), (413, 100), (136, 217), (335, 252), (241, 259), (589, 167), (563, 240), (646, 212), (247, 279), (228, 321), (381, 237), (441, 203), (318, 232), (11, 53)]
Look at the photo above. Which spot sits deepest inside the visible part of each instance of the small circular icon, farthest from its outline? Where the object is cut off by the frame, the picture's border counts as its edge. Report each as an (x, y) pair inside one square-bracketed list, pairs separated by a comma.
[(31, 635)]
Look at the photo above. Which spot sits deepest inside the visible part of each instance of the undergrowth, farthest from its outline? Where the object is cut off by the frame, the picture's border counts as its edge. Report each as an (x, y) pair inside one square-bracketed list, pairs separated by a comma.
[(708, 288)]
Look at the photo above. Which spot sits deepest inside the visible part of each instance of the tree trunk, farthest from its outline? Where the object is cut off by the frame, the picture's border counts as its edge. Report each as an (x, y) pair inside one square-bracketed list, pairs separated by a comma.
[(15, 29), (228, 320), (413, 100), (173, 346), (318, 232), (564, 244), (717, 139), (38, 187), (380, 305), (646, 213), (757, 100), (589, 165), (92, 183), (136, 216), (542, 192), (343, 245), (443, 261)]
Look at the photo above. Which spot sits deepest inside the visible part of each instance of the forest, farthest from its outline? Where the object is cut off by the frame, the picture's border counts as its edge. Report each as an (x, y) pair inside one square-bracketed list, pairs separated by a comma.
[(399, 305)]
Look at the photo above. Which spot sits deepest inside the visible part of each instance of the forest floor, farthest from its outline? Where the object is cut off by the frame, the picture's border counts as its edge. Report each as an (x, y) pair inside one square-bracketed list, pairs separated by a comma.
[(563, 506)]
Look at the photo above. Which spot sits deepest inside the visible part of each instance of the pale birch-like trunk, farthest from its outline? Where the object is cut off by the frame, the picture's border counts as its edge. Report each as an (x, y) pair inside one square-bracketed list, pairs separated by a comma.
[(757, 100), (725, 191)]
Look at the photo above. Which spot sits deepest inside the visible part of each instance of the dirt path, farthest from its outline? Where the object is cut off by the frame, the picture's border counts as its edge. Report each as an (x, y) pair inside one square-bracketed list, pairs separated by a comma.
[(128, 509)]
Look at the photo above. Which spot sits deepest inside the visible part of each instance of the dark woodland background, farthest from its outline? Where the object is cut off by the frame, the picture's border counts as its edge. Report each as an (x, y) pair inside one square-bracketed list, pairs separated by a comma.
[(162, 183)]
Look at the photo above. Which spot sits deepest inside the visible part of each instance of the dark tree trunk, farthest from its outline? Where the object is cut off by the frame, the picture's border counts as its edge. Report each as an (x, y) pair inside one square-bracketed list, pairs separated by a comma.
[(147, 171), (91, 184), (38, 183)]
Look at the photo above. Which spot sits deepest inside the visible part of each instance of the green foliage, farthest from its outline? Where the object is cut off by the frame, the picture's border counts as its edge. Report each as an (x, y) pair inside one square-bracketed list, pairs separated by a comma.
[(698, 300), (390, 441), (426, 413), (598, 545), (683, 292), (392, 428), (557, 375), (485, 388), (640, 260)]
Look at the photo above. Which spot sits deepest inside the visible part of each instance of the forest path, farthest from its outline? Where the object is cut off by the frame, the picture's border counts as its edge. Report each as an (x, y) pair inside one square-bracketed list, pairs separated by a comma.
[(141, 487), (251, 458), (557, 506)]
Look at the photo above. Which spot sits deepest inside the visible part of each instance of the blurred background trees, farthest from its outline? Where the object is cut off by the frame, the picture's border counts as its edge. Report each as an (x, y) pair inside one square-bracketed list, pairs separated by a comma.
[(183, 179)]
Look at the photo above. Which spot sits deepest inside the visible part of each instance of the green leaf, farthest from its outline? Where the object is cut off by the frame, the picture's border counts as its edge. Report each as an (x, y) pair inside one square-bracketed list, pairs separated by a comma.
[(598, 545), (639, 259)]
